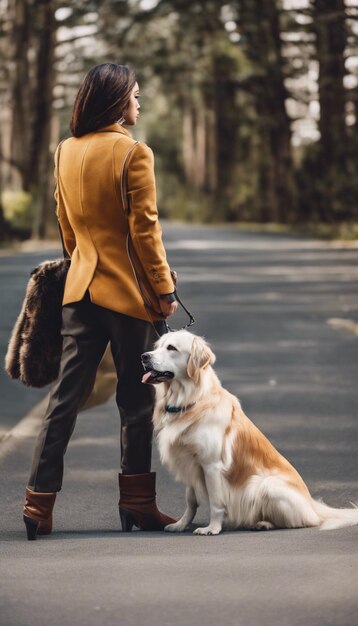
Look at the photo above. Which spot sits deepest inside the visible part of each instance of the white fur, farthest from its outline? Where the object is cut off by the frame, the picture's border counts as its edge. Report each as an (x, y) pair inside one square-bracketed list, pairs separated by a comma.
[(198, 447)]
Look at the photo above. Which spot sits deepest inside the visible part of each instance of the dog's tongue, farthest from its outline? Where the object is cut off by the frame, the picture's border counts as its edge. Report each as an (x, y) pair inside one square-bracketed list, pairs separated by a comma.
[(146, 376), (153, 377)]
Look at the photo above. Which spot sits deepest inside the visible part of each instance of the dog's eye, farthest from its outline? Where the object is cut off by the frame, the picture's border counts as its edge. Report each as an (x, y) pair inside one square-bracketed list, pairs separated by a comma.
[(170, 347)]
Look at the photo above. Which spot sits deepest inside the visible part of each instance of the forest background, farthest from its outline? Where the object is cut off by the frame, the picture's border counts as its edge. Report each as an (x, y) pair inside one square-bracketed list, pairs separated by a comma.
[(250, 106)]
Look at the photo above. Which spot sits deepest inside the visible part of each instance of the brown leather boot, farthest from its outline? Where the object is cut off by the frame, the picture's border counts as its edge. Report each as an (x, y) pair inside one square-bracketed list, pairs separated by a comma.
[(38, 513), (137, 506)]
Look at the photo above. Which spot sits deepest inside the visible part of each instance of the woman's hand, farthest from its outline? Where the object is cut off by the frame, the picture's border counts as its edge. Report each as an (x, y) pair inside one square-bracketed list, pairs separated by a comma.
[(168, 304)]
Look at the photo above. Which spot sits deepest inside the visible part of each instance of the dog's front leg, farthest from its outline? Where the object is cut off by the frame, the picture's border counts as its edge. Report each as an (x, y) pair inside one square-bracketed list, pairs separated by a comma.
[(214, 488), (188, 515)]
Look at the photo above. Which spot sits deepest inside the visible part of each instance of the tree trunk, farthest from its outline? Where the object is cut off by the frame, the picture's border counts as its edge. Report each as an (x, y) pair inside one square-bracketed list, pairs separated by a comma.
[(188, 144), (260, 29), (200, 141), (333, 162), (331, 39), (226, 123), (41, 128), (211, 179), (20, 99), (4, 226)]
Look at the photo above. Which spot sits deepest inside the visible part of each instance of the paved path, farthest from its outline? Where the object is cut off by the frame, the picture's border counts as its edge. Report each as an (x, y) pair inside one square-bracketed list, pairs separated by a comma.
[(266, 303)]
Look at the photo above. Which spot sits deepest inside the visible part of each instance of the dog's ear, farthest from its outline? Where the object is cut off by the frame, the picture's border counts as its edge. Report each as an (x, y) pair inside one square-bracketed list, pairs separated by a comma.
[(200, 357)]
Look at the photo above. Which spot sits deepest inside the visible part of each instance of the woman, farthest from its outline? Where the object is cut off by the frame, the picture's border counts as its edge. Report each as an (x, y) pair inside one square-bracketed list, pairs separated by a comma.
[(102, 301)]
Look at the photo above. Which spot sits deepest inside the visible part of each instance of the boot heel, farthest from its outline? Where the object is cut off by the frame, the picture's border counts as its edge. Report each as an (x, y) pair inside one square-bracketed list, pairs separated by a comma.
[(127, 520), (31, 528)]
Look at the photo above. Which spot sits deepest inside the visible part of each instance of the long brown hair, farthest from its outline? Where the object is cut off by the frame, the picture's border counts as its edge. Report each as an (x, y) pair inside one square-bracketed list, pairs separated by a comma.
[(102, 98)]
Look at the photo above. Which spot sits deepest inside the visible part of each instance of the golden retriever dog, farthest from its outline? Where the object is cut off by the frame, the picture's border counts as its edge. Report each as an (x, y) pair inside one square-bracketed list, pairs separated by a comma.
[(207, 442)]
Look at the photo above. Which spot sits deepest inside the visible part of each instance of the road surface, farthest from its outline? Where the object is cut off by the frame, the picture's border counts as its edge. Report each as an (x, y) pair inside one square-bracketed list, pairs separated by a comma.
[(280, 313)]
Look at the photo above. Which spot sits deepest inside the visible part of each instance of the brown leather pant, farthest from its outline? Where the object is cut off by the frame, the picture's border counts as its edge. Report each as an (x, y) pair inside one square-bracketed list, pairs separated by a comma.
[(86, 330)]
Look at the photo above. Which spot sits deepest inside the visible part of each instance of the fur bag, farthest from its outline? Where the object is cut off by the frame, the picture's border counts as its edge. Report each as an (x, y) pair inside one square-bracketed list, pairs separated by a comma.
[(35, 346)]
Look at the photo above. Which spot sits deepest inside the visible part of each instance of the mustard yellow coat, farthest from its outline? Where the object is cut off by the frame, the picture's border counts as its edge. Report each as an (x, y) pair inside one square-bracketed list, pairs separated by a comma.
[(95, 226)]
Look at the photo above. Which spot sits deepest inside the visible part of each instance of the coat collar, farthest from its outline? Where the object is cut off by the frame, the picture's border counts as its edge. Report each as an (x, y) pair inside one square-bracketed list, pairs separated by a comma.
[(114, 128)]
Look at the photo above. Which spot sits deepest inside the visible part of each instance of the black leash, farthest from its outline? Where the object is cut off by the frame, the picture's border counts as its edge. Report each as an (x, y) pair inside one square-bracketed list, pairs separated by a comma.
[(189, 314)]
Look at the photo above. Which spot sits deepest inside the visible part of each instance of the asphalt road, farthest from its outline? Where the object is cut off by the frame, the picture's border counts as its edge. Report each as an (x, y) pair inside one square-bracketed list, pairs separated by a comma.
[(266, 303)]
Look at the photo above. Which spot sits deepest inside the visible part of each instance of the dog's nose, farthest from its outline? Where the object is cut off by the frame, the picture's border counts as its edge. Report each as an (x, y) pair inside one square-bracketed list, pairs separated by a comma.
[(145, 357)]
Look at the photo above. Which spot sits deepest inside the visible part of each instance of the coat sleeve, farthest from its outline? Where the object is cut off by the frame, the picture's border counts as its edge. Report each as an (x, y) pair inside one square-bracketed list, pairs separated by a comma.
[(145, 230), (69, 239)]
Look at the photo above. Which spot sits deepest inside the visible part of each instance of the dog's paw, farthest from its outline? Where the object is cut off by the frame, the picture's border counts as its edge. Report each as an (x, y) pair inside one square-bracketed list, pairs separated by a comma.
[(174, 528), (263, 526), (208, 530)]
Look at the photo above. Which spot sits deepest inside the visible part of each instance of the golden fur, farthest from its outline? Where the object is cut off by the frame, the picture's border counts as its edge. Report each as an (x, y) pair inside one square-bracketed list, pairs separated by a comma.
[(221, 456)]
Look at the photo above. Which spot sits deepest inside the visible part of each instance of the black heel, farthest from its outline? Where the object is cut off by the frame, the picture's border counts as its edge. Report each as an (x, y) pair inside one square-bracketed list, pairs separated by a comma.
[(31, 528), (127, 520)]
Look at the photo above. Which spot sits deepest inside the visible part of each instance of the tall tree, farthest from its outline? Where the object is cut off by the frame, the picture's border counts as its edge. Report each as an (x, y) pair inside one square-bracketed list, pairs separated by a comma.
[(33, 76), (259, 26), (329, 25), (20, 93), (34, 37), (45, 80)]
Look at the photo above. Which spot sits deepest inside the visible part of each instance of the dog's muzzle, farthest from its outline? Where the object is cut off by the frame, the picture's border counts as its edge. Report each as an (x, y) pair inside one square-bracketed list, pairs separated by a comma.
[(152, 375)]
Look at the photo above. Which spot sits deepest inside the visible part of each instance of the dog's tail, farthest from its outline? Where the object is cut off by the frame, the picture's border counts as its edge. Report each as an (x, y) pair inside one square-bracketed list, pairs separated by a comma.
[(335, 518)]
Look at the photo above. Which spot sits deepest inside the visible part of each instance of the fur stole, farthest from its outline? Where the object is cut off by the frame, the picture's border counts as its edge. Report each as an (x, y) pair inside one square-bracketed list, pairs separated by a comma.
[(35, 346)]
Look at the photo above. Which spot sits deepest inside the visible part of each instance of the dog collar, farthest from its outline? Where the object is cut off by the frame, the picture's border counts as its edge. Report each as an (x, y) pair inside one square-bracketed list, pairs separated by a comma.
[(178, 409)]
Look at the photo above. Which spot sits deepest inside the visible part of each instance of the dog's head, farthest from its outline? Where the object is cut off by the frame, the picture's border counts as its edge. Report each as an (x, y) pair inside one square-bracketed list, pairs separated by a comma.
[(179, 355)]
